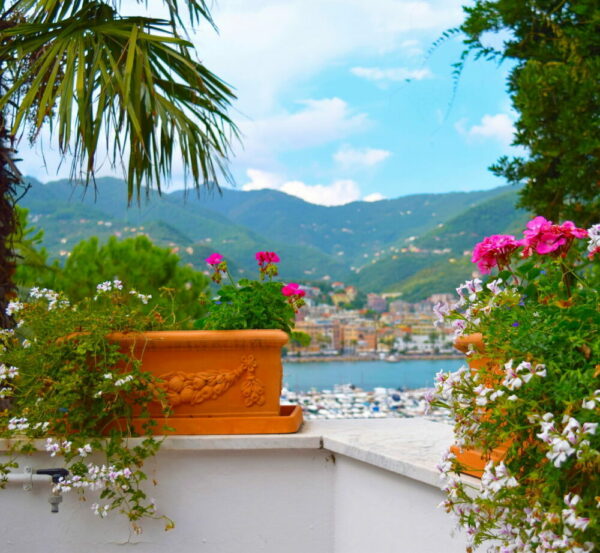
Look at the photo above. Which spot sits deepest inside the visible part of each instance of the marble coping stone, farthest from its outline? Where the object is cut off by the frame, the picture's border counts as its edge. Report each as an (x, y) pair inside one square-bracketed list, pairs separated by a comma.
[(410, 447)]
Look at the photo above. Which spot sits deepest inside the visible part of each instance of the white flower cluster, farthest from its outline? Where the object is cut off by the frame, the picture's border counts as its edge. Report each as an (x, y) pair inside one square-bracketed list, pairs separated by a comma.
[(97, 478), (444, 467), (119, 381), (540, 538), (144, 298), (54, 447), (495, 287), (522, 373), (448, 383), (13, 307), (482, 392), (570, 517), (470, 293), (108, 286), (18, 423), (85, 450), (124, 380), (496, 477), (441, 311), (592, 401), (100, 510), (53, 298), (568, 442), (8, 373), (594, 236), (472, 288)]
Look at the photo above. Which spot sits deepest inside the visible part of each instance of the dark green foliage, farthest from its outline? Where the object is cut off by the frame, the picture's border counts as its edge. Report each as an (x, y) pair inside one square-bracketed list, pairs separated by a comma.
[(249, 305), (138, 263), (555, 88), (73, 383)]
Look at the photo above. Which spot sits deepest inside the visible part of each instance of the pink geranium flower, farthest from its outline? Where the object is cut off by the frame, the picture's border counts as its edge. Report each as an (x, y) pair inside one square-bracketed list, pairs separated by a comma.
[(494, 251), (219, 265), (214, 259), (266, 257), (544, 237), (293, 289)]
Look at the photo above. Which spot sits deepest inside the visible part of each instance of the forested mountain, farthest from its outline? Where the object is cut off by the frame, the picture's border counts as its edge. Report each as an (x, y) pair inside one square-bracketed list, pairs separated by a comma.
[(379, 246)]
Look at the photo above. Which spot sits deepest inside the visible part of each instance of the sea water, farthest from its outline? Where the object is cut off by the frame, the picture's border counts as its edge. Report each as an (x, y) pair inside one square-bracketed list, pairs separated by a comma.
[(406, 375)]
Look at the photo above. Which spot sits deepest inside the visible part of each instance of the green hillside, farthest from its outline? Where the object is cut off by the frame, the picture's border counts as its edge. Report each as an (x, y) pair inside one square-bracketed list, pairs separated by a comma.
[(440, 259), (380, 246)]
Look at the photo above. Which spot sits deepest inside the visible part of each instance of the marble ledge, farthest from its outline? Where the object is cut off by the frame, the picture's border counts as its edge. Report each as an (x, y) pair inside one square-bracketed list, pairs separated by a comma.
[(410, 447)]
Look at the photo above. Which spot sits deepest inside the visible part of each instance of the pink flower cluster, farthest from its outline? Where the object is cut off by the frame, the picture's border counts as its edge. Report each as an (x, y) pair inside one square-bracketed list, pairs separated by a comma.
[(544, 237), (214, 259), (295, 295), (219, 265), (266, 257), (494, 250), (541, 236), (293, 289), (266, 263)]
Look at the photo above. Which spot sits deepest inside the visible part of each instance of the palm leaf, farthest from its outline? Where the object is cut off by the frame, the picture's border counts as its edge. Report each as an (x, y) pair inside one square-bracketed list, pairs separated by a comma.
[(132, 80)]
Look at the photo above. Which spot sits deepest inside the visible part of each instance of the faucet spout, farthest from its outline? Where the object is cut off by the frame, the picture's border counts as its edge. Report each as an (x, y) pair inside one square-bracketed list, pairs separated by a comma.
[(57, 475)]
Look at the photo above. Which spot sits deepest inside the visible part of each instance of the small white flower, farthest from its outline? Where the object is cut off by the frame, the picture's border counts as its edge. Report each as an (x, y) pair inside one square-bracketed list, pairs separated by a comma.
[(494, 286), (13, 307), (85, 450), (52, 447), (122, 381)]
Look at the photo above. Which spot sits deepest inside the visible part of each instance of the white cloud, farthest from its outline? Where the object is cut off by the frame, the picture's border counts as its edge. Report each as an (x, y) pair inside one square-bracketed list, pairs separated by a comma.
[(392, 74), (499, 127), (338, 192), (318, 122), (412, 47), (375, 197), (365, 157), (265, 47)]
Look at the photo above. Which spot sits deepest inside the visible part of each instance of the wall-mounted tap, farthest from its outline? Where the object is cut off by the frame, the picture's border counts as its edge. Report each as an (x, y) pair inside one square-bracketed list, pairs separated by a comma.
[(55, 497)]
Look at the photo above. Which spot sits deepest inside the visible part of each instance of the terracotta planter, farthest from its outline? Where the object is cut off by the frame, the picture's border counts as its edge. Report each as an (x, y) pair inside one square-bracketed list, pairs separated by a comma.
[(473, 460), (217, 382)]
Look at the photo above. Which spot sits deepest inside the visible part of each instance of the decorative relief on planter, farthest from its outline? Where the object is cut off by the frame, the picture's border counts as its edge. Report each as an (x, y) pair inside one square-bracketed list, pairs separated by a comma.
[(195, 388)]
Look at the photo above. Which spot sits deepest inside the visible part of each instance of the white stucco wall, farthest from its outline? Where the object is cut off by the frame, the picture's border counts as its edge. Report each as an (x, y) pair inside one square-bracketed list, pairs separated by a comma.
[(339, 487), (379, 511)]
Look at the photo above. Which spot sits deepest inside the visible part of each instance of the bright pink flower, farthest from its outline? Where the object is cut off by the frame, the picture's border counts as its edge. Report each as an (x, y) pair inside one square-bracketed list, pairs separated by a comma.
[(266, 257), (293, 289), (494, 250), (569, 229), (544, 237), (214, 259), (294, 294)]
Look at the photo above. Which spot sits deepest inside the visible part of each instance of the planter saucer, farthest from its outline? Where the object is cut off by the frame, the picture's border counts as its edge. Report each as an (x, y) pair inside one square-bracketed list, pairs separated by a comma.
[(288, 421)]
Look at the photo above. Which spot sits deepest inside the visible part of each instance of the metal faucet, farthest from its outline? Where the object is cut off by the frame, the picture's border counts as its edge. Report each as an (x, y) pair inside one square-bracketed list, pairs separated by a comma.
[(55, 497)]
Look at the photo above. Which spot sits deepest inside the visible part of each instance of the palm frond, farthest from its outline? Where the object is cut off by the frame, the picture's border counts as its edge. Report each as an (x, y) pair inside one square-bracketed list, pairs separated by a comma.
[(130, 80)]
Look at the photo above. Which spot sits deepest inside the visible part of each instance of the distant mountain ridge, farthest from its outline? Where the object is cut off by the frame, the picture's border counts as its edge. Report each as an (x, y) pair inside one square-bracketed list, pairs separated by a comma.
[(360, 243)]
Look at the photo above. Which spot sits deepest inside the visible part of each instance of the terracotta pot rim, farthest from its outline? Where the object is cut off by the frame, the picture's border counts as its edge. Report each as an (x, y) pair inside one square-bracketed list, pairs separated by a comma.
[(159, 337), (462, 343)]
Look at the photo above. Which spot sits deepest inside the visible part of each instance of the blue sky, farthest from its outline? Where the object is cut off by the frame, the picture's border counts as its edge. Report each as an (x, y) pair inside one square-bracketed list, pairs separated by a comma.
[(325, 108)]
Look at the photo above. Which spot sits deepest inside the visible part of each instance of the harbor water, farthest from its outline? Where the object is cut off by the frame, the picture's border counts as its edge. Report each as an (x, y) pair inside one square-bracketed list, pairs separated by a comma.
[(368, 375)]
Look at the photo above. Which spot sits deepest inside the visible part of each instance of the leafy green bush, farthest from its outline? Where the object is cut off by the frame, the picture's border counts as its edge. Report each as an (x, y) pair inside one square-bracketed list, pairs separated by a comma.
[(539, 318), (69, 384), (252, 304), (151, 270)]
